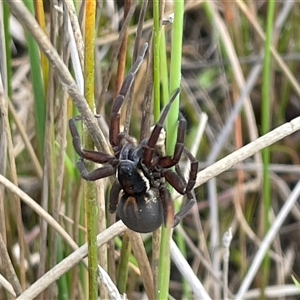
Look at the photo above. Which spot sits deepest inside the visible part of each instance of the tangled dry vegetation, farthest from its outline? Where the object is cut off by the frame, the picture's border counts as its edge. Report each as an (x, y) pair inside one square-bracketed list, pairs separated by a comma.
[(241, 240)]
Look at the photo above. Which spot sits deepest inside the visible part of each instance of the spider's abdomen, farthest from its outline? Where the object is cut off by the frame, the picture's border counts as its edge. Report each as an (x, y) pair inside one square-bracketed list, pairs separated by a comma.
[(142, 213), (132, 179)]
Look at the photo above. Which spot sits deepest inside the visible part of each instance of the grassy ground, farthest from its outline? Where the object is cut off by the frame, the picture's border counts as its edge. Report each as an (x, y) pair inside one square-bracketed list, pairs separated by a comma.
[(240, 95)]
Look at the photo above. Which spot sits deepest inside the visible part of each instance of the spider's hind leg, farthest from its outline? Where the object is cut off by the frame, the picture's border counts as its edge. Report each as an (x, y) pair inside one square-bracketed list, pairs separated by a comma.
[(184, 210), (168, 206), (178, 182)]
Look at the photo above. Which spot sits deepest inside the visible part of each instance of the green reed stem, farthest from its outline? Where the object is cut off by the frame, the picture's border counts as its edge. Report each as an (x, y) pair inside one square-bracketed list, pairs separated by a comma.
[(266, 108), (90, 192), (171, 123)]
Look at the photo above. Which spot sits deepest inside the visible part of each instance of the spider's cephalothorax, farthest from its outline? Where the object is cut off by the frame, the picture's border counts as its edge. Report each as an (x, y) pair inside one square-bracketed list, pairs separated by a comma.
[(139, 195)]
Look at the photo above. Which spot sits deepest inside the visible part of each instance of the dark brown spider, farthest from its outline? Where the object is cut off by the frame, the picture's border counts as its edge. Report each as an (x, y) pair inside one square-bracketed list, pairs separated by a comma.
[(145, 202)]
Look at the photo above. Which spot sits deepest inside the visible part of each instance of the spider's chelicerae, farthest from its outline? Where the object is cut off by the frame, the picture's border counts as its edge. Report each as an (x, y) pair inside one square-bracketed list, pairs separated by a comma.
[(139, 193)]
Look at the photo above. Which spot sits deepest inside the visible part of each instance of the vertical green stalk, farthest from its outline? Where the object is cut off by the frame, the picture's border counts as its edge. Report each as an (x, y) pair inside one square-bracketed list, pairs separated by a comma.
[(90, 191), (156, 60), (123, 266), (164, 76), (175, 74), (266, 107), (38, 86), (62, 282), (8, 71), (171, 123)]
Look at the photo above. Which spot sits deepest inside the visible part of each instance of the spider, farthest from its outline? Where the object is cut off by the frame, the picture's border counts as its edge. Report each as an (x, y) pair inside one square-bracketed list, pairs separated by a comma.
[(139, 194)]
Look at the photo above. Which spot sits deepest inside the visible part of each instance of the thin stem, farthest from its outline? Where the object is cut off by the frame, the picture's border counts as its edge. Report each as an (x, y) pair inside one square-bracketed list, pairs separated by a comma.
[(266, 106), (171, 123), (156, 58), (90, 192)]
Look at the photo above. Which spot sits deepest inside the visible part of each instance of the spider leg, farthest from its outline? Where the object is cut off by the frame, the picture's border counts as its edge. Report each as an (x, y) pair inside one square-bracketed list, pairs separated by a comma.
[(184, 211), (114, 127), (149, 146), (193, 170), (177, 181), (114, 196), (98, 157), (170, 161), (99, 173), (168, 206)]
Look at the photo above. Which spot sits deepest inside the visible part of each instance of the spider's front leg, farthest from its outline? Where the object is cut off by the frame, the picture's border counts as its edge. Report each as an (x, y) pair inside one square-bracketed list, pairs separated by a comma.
[(114, 127), (99, 173), (149, 146), (170, 161), (97, 157)]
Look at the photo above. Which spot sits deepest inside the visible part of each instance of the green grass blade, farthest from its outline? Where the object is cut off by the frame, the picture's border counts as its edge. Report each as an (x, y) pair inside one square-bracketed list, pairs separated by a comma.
[(90, 192), (156, 59), (7, 36), (171, 123), (266, 118), (38, 85)]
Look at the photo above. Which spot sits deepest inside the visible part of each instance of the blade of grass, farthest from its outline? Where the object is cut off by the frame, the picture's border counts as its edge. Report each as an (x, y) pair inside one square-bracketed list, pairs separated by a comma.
[(164, 76), (163, 264), (38, 86), (156, 60), (123, 266), (90, 192), (62, 282), (171, 123), (6, 69), (157, 67), (156, 113), (265, 121), (41, 19)]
